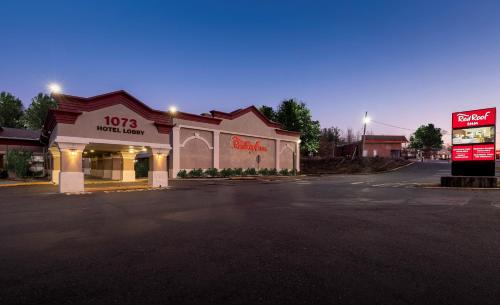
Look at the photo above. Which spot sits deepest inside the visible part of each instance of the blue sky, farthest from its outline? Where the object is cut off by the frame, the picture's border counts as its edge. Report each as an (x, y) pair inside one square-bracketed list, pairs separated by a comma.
[(405, 62)]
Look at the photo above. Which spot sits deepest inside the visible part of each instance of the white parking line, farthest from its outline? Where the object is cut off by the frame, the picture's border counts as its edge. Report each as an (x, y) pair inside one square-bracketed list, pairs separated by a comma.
[(359, 182)]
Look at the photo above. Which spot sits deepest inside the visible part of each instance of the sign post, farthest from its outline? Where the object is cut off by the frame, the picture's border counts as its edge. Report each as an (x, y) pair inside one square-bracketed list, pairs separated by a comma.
[(473, 149), (473, 142)]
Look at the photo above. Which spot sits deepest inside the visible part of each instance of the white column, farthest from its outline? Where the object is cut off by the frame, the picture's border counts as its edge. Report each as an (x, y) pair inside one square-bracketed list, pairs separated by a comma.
[(56, 164), (71, 175), (277, 157), (108, 167), (128, 171), (117, 167), (176, 158), (216, 148), (297, 156), (158, 174)]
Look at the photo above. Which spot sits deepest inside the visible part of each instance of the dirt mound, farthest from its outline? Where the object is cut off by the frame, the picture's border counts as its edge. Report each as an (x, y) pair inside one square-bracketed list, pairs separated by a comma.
[(348, 166)]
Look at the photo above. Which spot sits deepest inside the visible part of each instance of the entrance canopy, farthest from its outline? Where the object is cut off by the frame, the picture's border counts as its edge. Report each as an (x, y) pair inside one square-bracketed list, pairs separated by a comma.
[(115, 122)]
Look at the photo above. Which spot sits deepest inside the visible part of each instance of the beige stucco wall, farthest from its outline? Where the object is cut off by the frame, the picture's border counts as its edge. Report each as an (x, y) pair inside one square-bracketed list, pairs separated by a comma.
[(187, 133), (196, 154), (287, 150), (235, 158), (71, 162), (157, 162), (86, 126)]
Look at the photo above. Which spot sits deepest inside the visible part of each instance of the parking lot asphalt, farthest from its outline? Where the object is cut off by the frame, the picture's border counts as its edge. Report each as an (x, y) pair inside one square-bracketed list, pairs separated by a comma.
[(359, 239)]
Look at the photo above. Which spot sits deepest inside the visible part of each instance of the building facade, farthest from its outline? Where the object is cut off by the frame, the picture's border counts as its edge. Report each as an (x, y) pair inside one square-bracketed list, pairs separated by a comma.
[(244, 138), (102, 137), (384, 146)]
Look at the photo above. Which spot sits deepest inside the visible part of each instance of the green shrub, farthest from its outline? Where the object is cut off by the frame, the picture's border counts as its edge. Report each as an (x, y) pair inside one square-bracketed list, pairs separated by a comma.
[(4, 174), (238, 171), (250, 172), (264, 172), (293, 172), (272, 172), (226, 172), (284, 172), (182, 173), (36, 174), (212, 172), (18, 161), (196, 173)]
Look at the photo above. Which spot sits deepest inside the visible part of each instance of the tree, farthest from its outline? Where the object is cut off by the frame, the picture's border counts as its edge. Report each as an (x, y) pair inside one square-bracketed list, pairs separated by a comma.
[(330, 138), (37, 111), (268, 112), (295, 116), (11, 110), (427, 137), (18, 162)]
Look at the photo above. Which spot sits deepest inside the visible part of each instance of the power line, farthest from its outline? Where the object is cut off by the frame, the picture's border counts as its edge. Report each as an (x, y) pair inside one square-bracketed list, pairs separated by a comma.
[(393, 126)]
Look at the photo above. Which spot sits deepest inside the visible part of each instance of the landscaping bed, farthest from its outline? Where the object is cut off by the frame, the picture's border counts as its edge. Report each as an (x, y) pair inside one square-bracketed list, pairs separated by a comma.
[(348, 166), (234, 172)]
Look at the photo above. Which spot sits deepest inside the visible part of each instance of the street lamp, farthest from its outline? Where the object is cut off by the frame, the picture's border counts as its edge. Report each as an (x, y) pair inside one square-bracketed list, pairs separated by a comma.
[(366, 120), (54, 88), (172, 109)]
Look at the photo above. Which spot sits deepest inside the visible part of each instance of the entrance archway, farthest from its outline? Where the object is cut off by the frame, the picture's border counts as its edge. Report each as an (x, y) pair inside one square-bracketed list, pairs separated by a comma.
[(101, 137)]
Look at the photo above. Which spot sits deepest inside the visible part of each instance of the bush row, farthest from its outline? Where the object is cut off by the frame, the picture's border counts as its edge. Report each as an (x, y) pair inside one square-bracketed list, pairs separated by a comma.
[(234, 172)]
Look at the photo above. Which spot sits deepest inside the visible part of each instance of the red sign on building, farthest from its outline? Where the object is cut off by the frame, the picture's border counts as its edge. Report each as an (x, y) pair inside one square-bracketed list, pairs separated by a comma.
[(474, 118)]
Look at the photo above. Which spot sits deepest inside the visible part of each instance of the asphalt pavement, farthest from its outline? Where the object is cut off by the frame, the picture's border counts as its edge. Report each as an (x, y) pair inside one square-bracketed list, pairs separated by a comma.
[(358, 239)]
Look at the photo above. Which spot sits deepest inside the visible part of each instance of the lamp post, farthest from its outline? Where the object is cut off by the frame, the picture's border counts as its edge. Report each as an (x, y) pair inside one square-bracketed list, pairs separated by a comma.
[(366, 120)]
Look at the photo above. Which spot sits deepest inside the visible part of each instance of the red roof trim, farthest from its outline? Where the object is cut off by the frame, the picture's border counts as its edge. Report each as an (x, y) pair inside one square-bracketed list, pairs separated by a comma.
[(384, 141), (70, 107), (237, 113), (20, 142), (197, 118), (288, 132), (163, 128), (75, 103)]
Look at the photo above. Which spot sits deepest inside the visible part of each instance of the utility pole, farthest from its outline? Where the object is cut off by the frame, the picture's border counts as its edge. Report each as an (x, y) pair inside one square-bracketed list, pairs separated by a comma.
[(365, 121)]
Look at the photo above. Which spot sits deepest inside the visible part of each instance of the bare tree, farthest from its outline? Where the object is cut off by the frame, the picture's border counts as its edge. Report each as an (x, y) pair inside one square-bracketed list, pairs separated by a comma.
[(330, 138), (349, 138)]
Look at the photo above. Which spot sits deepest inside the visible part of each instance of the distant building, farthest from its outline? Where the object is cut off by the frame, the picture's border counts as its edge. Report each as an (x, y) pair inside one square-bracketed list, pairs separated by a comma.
[(384, 146), (19, 139)]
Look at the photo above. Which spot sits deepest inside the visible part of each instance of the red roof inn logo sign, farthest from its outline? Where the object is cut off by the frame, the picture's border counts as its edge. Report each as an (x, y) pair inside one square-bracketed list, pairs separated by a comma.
[(241, 144), (481, 117), (473, 142)]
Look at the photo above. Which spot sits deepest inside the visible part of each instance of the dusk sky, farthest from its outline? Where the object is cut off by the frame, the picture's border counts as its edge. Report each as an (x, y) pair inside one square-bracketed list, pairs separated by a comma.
[(405, 62)]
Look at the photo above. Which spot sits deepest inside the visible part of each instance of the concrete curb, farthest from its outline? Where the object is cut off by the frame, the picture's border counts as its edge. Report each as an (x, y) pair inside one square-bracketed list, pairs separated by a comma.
[(463, 188), (362, 174), (26, 183), (120, 188), (50, 183), (398, 168), (114, 181)]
